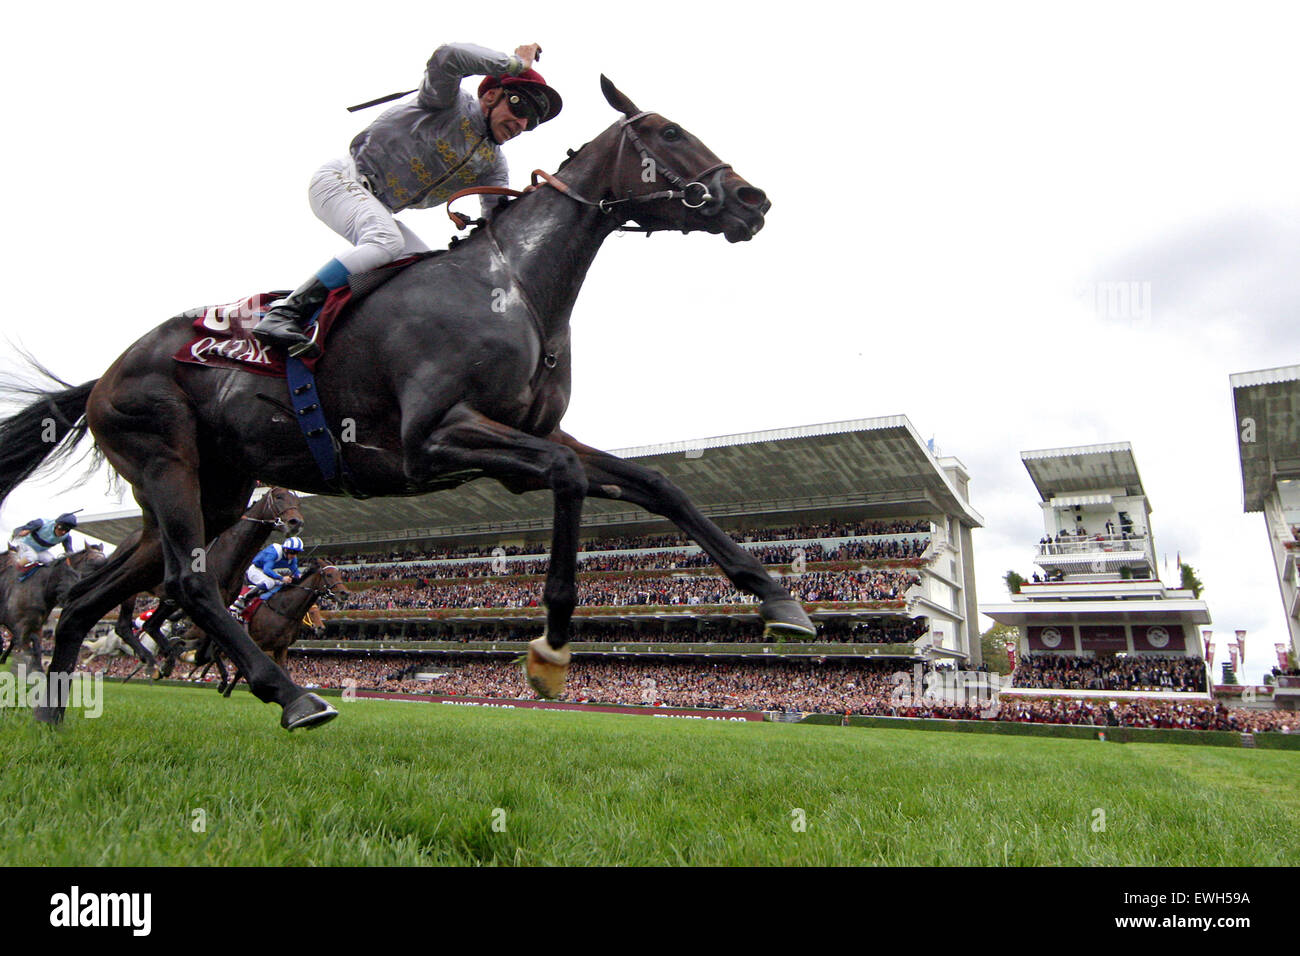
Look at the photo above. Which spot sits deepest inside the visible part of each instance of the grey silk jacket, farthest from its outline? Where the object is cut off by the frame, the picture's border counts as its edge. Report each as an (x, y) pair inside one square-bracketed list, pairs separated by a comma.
[(417, 154)]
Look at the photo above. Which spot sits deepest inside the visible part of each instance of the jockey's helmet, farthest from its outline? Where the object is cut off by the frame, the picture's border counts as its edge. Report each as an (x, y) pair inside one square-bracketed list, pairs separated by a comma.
[(67, 519), (527, 96), (292, 544)]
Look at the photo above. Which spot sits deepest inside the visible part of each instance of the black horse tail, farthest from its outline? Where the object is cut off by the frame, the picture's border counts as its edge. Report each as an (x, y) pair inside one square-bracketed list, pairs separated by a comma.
[(45, 432)]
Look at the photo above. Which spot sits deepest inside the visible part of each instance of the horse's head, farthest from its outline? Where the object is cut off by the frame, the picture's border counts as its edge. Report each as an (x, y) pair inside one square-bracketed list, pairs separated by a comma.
[(88, 559), (333, 579), (76, 566), (280, 507), (665, 178), (327, 579)]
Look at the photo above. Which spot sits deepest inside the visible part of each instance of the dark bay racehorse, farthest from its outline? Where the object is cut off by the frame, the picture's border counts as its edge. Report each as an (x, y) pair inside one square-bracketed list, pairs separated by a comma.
[(457, 368), (228, 557), (276, 622), (24, 605)]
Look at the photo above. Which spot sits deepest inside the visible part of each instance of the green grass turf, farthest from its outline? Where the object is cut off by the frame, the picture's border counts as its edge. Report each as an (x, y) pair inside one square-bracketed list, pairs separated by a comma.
[(398, 784)]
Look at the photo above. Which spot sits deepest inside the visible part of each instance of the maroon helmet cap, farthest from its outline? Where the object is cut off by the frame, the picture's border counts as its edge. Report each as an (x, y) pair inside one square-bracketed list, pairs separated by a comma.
[(530, 83)]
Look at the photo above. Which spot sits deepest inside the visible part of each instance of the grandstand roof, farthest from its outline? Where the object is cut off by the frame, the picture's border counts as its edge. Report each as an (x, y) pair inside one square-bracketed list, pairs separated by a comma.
[(879, 467), (1083, 468), (1267, 404)]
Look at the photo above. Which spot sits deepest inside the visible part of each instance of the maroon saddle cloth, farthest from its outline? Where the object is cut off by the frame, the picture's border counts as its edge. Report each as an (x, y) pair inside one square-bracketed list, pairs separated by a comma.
[(223, 334)]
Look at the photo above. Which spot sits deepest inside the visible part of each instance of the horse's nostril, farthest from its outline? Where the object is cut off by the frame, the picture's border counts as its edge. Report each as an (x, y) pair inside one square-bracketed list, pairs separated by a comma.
[(752, 197)]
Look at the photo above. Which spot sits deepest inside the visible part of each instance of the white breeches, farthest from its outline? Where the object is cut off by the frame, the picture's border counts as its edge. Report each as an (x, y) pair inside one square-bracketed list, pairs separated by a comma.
[(260, 579), (339, 200), (29, 555)]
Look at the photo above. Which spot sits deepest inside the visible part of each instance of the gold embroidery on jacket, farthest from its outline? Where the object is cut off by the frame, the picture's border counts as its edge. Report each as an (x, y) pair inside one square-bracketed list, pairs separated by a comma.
[(421, 171)]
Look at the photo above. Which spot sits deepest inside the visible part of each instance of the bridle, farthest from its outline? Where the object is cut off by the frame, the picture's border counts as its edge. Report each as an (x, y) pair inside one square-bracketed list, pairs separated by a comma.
[(277, 513), (316, 592), (693, 193), (682, 188)]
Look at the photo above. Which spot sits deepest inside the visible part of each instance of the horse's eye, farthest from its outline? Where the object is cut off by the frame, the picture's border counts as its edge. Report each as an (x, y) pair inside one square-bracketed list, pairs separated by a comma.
[(671, 133)]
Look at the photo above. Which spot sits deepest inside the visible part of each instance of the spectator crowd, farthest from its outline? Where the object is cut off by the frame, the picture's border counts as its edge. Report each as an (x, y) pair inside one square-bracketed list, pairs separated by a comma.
[(826, 686), (890, 549), (836, 529), (863, 585), (1142, 672)]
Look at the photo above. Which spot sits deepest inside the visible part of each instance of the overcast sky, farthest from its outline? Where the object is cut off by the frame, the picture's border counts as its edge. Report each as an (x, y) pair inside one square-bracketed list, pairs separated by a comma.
[(951, 184)]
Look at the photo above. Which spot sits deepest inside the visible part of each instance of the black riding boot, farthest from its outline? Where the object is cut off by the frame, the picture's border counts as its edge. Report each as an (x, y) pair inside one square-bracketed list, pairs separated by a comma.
[(284, 325)]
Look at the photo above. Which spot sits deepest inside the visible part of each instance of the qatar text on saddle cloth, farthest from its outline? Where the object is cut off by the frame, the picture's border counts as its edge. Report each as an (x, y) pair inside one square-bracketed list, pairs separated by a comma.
[(224, 333)]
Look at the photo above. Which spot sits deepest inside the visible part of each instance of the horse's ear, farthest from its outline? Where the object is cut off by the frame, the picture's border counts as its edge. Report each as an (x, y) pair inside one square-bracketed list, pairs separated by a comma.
[(616, 99)]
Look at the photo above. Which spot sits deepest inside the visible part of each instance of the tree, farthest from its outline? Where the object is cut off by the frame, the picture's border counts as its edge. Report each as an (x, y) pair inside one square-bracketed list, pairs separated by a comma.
[(1190, 581), (993, 647), (1014, 581)]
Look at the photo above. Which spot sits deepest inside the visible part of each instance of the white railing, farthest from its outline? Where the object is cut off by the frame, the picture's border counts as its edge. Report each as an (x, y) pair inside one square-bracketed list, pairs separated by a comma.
[(1092, 544)]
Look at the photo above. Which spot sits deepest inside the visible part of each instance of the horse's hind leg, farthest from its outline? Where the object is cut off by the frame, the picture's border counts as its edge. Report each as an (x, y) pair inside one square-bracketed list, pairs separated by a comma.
[(92, 598), (173, 491), (622, 480)]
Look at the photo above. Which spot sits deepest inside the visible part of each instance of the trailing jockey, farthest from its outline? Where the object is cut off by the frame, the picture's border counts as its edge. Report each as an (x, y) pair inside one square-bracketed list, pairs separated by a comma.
[(34, 540), (415, 156), (274, 566)]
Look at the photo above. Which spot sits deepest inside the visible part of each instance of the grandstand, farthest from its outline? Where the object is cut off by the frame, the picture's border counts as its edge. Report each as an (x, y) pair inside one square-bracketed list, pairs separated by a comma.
[(865, 525), (1097, 621), (1267, 406)]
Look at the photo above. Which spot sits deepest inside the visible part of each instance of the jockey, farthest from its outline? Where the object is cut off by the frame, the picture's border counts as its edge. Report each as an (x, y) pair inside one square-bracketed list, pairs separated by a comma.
[(274, 566), (414, 156), (34, 540)]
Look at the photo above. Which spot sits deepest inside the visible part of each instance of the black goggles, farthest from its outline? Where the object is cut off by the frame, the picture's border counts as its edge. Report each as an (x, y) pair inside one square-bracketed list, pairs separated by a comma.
[(523, 106)]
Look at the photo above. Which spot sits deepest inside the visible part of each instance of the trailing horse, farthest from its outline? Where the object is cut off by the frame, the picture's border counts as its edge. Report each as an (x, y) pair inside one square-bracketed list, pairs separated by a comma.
[(455, 369), (275, 623), (24, 605), (227, 557)]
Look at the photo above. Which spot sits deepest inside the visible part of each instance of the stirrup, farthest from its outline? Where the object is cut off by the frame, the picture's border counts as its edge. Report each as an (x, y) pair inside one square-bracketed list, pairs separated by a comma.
[(284, 331)]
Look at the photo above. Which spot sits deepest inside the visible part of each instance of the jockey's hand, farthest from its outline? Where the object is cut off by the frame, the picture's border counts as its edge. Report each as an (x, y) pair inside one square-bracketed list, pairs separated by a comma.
[(528, 53), (287, 578)]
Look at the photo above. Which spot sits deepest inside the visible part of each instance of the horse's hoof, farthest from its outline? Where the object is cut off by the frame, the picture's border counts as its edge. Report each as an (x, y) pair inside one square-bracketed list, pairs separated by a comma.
[(546, 669), (309, 710), (48, 715), (786, 618)]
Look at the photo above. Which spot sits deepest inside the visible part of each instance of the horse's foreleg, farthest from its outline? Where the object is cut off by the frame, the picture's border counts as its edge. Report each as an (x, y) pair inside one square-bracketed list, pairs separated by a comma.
[(622, 480), (125, 614), (467, 441), (28, 635)]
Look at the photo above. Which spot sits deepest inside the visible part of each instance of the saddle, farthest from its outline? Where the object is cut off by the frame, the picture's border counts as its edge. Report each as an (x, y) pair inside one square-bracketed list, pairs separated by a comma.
[(248, 612), (223, 334)]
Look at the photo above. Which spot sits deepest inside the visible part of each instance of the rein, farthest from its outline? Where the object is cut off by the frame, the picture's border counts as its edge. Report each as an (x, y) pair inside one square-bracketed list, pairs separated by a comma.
[(316, 592), (683, 190)]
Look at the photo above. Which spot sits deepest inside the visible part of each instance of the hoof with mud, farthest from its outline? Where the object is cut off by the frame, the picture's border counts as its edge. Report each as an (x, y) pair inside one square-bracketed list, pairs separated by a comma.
[(546, 669), (309, 710), (786, 619)]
